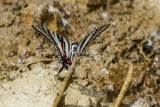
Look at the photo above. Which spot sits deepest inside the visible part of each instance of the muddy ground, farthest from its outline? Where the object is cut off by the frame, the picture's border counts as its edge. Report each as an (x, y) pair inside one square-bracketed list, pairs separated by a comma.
[(133, 37)]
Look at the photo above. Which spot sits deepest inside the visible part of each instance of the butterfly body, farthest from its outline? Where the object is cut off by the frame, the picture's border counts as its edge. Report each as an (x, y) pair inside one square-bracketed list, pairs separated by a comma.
[(67, 56), (66, 50)]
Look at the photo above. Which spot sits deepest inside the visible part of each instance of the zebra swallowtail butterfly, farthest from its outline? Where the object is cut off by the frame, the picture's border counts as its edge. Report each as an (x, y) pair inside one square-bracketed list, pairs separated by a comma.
[(66, 50)]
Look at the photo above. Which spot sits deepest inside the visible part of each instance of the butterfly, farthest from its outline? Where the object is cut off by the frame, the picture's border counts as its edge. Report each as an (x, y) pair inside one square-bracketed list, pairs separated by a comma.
[(66, 50)]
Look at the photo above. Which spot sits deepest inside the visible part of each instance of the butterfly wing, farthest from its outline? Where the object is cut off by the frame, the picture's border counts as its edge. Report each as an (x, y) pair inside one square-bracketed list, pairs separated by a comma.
[(89, 38), (60, 43)]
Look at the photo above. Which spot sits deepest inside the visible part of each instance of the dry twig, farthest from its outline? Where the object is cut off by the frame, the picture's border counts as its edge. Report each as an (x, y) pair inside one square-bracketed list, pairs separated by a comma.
[(143, 54), (64, 85), (39, 60), (124, 87)]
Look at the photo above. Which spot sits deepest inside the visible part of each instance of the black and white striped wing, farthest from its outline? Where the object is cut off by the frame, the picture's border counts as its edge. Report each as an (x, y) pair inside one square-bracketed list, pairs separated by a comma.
[(60, 43), (89, 38)]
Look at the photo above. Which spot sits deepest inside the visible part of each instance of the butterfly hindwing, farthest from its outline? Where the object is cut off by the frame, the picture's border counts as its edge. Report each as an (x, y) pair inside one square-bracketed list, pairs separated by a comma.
[(89, 38), (60, 43)]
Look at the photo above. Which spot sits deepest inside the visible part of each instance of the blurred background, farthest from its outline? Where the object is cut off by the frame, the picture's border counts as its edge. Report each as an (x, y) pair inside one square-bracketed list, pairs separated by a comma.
[(134, 32)]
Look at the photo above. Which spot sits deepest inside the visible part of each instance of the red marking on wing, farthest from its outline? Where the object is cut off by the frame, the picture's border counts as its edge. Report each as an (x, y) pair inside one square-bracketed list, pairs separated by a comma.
[(63, 46), (69, 62)]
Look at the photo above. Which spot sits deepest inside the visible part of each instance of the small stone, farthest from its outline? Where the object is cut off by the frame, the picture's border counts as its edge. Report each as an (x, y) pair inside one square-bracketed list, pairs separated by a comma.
[(104, 71), (105, 15), (11, 76)]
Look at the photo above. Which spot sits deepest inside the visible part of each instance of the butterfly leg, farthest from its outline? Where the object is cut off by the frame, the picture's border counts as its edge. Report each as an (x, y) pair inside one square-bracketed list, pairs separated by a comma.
[(60, 69)]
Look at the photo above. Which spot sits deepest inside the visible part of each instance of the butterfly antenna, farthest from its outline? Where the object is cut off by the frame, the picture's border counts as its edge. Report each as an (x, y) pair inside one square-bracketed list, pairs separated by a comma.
[(61, 69)]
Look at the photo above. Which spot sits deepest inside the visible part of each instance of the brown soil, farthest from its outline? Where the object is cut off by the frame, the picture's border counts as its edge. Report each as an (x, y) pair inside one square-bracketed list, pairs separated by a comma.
[(134, 24)]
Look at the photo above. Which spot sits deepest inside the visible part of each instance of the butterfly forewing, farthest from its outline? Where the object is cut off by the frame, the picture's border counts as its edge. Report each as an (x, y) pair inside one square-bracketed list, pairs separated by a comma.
[(60, 43), (89, 38)]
